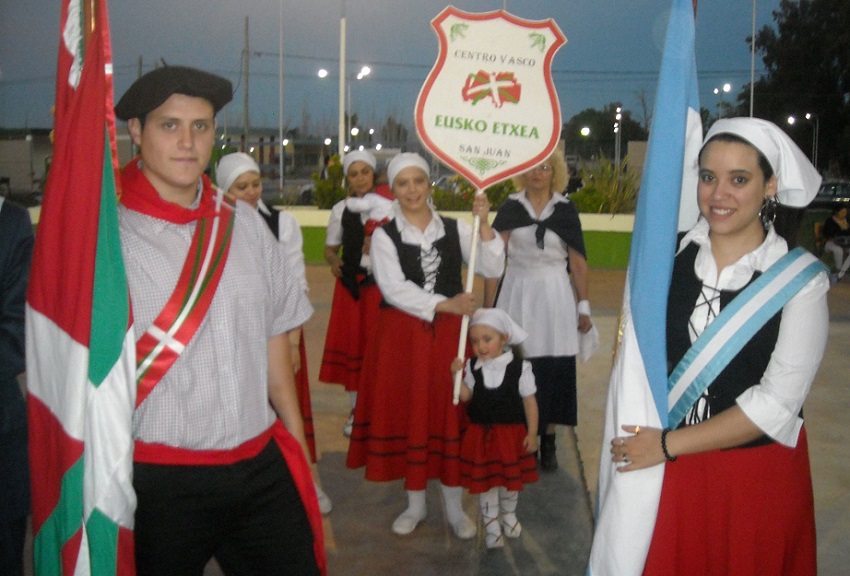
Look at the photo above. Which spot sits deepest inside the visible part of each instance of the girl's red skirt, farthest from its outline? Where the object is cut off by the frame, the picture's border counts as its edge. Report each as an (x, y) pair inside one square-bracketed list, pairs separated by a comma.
[(302, 387), (405, 425), (351, 325), (736, 512), (492, 456)]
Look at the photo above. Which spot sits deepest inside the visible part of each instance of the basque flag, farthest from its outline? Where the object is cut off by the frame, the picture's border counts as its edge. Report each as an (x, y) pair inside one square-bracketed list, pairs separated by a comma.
[(637, 395), (80, 345)]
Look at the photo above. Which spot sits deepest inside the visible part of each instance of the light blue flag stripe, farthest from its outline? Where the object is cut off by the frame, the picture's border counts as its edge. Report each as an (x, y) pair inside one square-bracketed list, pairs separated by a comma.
[(731, 348), (654, 237)]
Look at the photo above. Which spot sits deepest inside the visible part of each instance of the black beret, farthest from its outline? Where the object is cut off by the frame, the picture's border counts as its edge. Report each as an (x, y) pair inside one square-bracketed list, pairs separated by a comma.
[(152, 89)]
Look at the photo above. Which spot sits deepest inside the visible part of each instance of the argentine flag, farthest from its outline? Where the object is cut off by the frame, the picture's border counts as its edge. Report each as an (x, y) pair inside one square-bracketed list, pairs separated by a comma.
[(637, 395)]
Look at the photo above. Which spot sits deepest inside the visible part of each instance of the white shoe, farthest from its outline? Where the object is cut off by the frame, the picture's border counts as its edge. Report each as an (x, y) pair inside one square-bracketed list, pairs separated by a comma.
[(511, 525), (494, 541), (464, 528), (406, 523), (493, 534), (349, 424), (325, 504)]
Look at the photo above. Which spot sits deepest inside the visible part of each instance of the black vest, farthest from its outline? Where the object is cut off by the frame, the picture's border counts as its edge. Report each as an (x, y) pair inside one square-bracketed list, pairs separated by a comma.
[(501, 405), (353, 234), (449, 280), (273, 221), (747, 368)]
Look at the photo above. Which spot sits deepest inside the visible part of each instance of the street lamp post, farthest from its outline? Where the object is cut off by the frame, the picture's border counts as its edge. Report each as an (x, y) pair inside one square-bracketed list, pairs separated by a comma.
[(813, 118), (720, 91), (618, 129), (345, 122), (815, 135), (585, 132)]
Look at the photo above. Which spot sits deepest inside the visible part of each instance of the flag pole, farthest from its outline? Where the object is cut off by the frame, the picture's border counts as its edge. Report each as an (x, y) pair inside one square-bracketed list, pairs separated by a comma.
[(470, 280)]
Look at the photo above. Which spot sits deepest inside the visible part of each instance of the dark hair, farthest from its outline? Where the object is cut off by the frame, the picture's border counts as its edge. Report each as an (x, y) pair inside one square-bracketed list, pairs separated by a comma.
[(766, 168), (788, 219)]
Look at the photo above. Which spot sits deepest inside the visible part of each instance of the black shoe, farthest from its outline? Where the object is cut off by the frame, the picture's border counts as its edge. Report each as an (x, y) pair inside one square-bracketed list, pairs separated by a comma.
[(548, 459)]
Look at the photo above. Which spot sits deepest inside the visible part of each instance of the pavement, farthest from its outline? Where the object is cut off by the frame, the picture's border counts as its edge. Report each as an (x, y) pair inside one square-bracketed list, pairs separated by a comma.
[(556, 512)]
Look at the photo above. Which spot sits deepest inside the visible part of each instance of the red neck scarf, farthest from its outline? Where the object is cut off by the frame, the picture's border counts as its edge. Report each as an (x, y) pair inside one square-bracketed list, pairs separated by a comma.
[(139, 194)]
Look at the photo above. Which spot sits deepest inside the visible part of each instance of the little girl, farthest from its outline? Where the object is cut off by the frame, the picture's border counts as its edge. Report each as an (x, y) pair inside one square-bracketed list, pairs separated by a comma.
[(497, 450)]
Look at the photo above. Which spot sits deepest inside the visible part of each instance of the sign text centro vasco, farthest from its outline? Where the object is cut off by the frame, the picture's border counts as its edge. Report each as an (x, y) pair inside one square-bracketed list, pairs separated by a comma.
[(488, 108)]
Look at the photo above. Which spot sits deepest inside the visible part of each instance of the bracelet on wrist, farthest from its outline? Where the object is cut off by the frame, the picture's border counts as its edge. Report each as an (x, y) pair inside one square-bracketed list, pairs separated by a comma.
[(664, 446)]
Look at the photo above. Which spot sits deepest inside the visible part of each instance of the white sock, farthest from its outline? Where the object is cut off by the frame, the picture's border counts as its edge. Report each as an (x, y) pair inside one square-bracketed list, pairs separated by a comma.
[(507, 502), (352, 396), (454, 506), (416, 506), (489, 503)]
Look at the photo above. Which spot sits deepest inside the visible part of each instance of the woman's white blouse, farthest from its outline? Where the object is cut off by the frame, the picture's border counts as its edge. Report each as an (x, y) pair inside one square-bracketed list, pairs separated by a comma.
[(406, 295), (775, 402)]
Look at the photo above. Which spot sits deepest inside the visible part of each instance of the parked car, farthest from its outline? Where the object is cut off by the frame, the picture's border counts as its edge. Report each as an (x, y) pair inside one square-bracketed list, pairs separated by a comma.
[(831, 194)]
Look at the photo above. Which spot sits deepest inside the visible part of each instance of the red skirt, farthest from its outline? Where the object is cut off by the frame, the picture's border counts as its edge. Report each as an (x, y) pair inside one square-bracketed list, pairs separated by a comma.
[(405, 425), (351, 325), (492, 456), (302, 387), (736, 512)]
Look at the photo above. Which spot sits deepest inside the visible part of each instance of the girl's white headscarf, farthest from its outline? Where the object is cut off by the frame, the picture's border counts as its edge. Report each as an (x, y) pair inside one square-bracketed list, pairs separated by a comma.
[(232, 166), (358, 156), (500, 321), (796, 179), (405, 160)]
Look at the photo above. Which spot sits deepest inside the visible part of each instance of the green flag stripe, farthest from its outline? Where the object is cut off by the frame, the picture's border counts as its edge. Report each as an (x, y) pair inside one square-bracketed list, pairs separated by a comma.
[(65, 520), (103, 543), (110, 302)]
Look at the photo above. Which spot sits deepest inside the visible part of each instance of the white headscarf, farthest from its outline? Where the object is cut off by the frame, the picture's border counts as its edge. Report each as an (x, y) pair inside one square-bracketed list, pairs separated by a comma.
[(232, 166), (797, 180), (357, 156), (499, 320), (406, 160)]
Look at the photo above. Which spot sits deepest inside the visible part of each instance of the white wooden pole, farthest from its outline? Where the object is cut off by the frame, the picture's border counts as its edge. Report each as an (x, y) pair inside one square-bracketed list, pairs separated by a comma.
[(470, 281)]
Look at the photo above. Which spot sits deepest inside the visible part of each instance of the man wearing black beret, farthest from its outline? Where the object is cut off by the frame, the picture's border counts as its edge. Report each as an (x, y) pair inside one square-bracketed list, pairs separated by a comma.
[(216, 473)]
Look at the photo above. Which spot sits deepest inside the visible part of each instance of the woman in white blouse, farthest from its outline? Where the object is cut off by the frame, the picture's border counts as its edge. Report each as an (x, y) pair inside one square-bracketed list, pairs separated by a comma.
[(737, 493), (405, 424)]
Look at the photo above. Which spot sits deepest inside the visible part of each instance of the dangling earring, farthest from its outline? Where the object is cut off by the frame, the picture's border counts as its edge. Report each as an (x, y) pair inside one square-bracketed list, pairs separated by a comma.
[(767, 214)]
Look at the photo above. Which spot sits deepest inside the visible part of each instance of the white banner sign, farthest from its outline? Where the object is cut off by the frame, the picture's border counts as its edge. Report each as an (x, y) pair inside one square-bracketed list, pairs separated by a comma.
[(489, 109)]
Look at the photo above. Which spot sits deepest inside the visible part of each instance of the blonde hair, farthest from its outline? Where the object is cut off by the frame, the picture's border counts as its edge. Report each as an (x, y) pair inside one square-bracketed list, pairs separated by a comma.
[(560, 172)]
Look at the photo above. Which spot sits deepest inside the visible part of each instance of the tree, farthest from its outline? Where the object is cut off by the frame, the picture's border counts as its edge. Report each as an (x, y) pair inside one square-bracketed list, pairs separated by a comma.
[(601, 137), (807, 58), (393, 132)]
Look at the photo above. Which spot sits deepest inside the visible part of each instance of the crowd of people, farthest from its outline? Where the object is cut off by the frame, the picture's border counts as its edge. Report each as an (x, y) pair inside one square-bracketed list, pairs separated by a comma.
[(227, 448)]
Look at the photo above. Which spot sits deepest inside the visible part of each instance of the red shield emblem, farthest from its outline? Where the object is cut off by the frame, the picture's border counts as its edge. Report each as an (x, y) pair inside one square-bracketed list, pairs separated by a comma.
[(488, 108)]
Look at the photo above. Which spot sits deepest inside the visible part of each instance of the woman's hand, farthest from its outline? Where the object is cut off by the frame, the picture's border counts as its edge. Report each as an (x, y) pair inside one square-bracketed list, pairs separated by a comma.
[(463, 304), (584, 323), (642, 450), (481, 206)]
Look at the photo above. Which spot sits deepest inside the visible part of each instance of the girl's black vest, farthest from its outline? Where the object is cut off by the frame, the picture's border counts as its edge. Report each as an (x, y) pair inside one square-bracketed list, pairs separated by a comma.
[(747, 368), (352, 250), (449, 280), (273, 221), (501, 405)]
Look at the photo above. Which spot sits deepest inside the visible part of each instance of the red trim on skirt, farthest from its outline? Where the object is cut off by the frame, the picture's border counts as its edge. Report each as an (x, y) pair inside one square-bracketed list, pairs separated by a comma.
[(405, 425), (302, 387), (736, 512), (351, 325), (492, 456)]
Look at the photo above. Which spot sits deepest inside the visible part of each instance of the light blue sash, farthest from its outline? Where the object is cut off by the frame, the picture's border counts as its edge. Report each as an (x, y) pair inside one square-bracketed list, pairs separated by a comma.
[(736, 324)]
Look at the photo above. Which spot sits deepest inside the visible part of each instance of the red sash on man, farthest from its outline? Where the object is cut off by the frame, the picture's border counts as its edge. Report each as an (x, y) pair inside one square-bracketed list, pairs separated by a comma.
[(163, 342)]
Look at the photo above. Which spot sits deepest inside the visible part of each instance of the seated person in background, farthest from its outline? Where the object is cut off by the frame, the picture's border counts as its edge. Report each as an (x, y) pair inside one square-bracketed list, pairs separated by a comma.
[(836, 233)]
